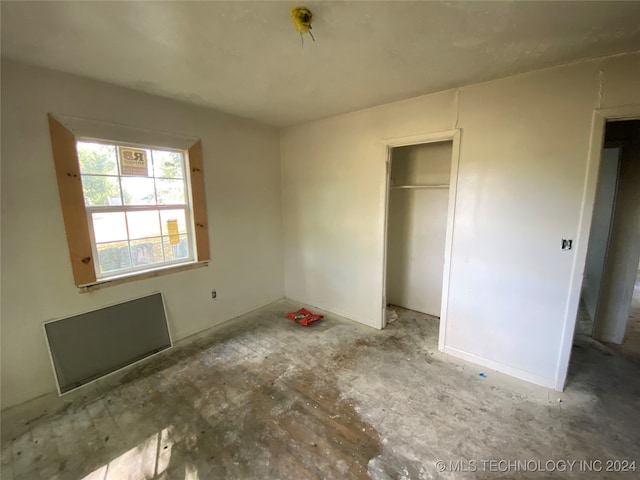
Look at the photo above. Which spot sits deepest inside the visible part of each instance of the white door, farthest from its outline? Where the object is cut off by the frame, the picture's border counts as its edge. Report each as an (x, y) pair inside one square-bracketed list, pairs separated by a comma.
[(600, 228)]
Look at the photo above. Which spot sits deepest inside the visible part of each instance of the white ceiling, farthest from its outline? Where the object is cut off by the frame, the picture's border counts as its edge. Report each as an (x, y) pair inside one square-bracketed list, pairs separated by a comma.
[(245, 57)]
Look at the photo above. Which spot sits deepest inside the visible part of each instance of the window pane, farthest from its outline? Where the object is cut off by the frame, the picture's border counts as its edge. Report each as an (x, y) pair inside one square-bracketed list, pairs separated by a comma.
[(113, 256), (97, 158), (138, 191), (126, 163), (143, 224), (130, 240), (170, 192), (101, 190), (146, 251), (167, 164), (176, 251), (109, 227), (167, 216)]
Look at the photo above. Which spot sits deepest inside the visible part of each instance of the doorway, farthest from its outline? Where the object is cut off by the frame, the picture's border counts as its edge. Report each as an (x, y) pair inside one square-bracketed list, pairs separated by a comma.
[(610, 288), (420, 201)]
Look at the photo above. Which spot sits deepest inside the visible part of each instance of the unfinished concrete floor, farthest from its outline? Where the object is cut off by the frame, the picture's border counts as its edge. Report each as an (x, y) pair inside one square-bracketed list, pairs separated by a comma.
[(263, 398), (630, 347)]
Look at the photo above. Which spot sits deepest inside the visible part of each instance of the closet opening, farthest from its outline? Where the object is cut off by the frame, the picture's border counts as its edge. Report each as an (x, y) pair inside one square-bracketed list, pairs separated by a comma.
[(419, 232)]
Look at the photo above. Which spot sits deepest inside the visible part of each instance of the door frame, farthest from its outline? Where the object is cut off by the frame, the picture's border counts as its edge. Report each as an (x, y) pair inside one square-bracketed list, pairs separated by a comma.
[(594, 320), (596, 143), (607, 245), (388, 145)]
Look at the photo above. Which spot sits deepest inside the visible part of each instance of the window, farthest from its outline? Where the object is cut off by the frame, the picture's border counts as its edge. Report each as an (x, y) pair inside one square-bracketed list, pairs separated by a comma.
[(137, 205), (129, 208)]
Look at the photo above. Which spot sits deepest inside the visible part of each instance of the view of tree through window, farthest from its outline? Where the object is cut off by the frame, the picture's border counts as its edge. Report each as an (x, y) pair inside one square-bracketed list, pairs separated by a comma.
[(136, 200)]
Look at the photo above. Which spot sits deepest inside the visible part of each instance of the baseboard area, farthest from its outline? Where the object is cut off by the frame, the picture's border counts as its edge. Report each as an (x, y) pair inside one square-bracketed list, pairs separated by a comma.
[(610, 339), (51, 401), (499, 367)]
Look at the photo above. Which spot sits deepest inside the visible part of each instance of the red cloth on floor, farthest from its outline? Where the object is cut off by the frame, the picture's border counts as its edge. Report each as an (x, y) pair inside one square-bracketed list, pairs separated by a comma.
[(303, 317)]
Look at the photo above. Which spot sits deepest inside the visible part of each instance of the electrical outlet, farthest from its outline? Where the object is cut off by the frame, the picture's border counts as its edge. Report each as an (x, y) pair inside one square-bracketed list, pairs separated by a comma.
[(214, 294)]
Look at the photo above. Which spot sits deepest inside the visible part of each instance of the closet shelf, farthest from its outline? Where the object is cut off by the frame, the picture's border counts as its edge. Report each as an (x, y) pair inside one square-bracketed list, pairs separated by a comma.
[(420, 186)]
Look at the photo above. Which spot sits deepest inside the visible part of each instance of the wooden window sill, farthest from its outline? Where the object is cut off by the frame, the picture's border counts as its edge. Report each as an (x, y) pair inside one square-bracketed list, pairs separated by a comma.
[(131, 277)]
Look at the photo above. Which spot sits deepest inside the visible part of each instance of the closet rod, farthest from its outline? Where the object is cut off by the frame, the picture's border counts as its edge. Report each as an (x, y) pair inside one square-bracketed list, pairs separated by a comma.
[(420, 186)]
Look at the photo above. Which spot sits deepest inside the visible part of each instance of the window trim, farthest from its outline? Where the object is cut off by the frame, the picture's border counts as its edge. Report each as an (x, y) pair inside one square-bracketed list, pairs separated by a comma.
[(187, 207), (74, 212)]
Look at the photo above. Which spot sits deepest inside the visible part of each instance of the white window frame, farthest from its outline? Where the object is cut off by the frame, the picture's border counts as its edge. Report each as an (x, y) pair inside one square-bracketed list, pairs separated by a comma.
[(187, 207)]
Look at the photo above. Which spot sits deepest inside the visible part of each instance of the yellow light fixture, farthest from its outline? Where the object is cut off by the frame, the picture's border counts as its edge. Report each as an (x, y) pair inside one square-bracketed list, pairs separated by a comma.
[(302, 18)]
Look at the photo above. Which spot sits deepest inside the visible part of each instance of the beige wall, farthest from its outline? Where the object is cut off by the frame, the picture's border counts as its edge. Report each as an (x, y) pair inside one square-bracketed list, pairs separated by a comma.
[(521, 184), (242, 175), (422, 164)]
